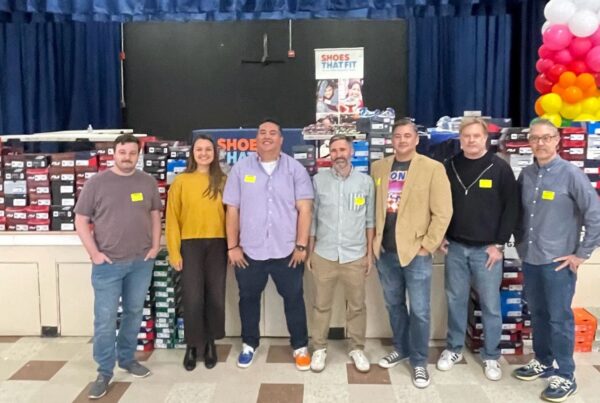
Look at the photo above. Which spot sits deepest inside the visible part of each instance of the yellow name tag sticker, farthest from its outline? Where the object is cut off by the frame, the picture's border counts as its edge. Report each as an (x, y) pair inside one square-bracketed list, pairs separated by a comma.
[(137, 197), (378, 182), (249, 178), (485, 183), (548, 195), (359, 201)]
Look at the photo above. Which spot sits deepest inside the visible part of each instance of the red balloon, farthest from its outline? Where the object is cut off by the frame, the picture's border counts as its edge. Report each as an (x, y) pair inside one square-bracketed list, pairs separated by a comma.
[(595, 38), (563, 57), (554, 72), (545, 52), (578, 67), (542, 84), (580, 46), (542, 65)]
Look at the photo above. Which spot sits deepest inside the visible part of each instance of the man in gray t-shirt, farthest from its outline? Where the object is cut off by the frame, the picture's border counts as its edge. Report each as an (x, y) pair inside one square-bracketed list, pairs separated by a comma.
[(124, 206)]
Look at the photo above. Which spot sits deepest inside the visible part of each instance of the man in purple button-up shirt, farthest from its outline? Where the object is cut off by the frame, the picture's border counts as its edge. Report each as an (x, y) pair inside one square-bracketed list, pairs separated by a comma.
[(269, 204)]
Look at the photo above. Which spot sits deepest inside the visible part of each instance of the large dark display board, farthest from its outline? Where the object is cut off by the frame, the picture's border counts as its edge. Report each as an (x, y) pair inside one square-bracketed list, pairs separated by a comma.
[(185, 76)]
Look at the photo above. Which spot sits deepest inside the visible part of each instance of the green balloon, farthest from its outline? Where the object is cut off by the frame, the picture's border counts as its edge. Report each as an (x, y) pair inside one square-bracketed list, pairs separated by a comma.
[(566, 122)]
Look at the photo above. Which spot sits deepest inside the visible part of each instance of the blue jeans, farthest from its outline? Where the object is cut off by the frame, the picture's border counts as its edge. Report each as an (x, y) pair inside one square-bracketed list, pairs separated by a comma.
[(410, 331), (129, 280), (549, 295), (289, 283), (465, 266)]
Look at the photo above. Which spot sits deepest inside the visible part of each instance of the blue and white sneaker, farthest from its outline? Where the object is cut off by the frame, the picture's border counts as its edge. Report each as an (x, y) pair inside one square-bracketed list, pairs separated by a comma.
[(533, 370), (246, 356), (559, 389)]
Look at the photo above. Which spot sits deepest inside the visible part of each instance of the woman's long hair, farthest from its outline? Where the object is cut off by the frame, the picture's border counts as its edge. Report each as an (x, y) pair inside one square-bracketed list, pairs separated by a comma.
[(216, 175)]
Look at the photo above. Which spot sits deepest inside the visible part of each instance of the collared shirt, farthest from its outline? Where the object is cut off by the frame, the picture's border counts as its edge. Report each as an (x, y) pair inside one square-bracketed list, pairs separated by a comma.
[(557, 200), (267, 204), (343, 209)]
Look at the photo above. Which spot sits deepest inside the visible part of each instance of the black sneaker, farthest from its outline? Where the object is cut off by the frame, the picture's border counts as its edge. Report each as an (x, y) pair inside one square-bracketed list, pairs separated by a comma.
[(533, 370), (391, 360), (420, 377), (559, 389), (99, 387)]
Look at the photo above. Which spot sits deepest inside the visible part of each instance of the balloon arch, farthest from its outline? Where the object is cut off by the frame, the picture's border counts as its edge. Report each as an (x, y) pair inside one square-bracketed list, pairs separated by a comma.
[(569, 63)]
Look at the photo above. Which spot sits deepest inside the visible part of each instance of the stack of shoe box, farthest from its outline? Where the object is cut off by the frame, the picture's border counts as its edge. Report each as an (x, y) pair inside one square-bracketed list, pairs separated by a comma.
[(177, 161), (360, 156), (379, 133), (105, 152), (573, 145), (86, 166), (146, 334), (306, 154), (2, 205), (62, 186), (516, 148), (15, 193), (154, 162), (511, 305), (163, 290), (591, 164), (37, 178), (586, 326)]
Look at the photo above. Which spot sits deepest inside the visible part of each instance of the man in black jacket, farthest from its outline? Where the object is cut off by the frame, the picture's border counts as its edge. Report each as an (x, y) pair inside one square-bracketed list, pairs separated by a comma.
[(486, 206)]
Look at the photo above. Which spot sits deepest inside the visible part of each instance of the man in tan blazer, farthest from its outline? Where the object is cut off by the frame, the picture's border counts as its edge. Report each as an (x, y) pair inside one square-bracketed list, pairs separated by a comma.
[(413, 208)]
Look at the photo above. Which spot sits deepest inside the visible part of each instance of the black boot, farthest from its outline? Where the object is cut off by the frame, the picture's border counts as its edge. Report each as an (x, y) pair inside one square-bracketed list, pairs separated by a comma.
[(210, 354), (189, 360)]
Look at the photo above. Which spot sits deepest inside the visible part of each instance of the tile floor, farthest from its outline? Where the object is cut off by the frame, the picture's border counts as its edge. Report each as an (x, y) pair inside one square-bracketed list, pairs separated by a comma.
[(48, 370)]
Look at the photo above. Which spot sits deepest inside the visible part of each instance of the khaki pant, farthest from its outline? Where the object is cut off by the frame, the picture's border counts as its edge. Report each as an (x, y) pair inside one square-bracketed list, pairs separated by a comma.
[(352, 275)]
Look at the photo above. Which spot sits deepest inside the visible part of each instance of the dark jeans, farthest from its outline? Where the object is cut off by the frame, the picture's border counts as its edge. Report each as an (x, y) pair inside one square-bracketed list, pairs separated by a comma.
[(203, 279), (288, 281), (549, 295)]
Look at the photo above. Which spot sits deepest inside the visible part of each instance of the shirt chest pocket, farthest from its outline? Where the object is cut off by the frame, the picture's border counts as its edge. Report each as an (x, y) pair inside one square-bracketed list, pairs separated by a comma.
[(356, 202)]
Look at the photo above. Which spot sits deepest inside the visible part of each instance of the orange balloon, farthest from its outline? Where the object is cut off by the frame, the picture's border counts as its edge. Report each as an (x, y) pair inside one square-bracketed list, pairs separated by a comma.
[(585, 81), (567, 79), (590, 91), (557, 89), (572, 94), (538, 107)]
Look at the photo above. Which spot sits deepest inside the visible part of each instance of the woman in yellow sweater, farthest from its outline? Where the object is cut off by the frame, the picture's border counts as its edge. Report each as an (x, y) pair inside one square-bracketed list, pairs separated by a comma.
[(195, 232)]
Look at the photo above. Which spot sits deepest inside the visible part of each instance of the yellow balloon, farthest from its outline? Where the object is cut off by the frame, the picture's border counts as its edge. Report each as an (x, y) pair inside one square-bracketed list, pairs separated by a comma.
[(597, 116), (570, 111), (590, 105), (551, 103), (585, 117), (554, 118)]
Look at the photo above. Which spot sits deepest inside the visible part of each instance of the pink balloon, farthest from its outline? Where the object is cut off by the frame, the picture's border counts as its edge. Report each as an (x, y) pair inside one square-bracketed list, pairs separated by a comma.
[(593, 59), (580, 46), (542, 65), (563, 57), (545, 52), (557, 37), (595, 38)]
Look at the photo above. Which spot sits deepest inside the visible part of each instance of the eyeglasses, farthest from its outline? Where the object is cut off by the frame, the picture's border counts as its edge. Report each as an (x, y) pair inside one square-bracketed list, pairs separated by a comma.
[(544, 139)]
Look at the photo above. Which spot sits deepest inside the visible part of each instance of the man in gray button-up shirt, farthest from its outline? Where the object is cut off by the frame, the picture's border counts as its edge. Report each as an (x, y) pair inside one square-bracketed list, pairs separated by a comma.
[(557, 200), (341, 239)]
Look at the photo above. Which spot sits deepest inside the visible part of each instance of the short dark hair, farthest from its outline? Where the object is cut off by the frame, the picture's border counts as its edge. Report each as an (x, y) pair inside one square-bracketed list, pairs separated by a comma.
[(337, 137), (405, 122), (126, 138), (271, 120)]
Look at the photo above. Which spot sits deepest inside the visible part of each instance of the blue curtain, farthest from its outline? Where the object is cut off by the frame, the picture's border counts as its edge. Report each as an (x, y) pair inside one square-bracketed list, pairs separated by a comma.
[(457, 64), (59, 76), (219, 10)]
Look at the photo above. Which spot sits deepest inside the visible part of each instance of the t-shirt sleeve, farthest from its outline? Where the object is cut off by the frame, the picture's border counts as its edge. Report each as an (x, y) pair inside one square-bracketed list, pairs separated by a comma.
[(156, 203), (87, 199), (303, 187), (231, 193)]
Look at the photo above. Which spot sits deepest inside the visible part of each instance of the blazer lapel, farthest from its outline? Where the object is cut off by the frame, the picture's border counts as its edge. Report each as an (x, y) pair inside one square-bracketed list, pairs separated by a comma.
[(385, 180), (408, 183)]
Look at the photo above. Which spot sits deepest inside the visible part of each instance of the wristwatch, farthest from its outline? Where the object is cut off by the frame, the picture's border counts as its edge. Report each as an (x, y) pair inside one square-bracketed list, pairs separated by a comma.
[(300, 248)]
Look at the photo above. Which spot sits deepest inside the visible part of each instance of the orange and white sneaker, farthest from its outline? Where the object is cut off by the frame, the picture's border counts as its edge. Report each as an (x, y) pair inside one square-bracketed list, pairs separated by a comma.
[(302, 359)]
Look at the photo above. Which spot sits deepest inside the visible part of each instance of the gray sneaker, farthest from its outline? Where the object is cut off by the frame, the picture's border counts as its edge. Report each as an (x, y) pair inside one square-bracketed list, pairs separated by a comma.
[(99, 387), (137, 370)]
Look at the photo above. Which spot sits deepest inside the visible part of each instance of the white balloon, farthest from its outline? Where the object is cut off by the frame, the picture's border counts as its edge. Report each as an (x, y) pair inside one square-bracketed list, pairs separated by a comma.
[(546, 26), (593, 5), (559, 12), (583, 23)]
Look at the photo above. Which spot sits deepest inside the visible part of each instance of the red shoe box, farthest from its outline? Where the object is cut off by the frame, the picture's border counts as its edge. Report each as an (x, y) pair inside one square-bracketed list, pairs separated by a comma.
[(38, 188), (38, 225), (2, 223), (506, 336), (16, 214), (583, 346), (511, 278), (584, 321), (63, 160), (37, 175), (38, 212), (105, 161), (506, 348), (40, 199), (573, 154), (16, 227), (61, 173)]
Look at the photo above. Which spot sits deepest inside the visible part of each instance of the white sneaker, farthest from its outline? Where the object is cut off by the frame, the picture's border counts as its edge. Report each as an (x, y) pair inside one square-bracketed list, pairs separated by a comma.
[(448, 359), (317, 363), (361, 362), (492, 370)]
